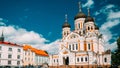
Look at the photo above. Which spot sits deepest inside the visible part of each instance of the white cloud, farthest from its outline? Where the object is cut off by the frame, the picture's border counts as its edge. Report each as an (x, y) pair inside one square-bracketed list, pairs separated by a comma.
[(89, 3), (52, 47), (105, 9), (21, 36), (113, 15), (111, 46), (113, 19)]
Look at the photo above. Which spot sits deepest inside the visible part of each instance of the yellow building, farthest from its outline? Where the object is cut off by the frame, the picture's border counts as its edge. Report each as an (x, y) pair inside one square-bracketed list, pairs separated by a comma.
[(33, 56)]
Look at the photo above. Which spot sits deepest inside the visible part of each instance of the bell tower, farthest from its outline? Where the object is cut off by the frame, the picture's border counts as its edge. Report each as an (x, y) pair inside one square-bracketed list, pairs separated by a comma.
[(79, 20), (65, 28), (89, 23)]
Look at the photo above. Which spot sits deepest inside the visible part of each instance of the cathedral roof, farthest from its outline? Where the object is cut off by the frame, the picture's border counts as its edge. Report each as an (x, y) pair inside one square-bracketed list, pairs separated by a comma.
[(80, 15), (66, 24), (36, 51), (89, 19)]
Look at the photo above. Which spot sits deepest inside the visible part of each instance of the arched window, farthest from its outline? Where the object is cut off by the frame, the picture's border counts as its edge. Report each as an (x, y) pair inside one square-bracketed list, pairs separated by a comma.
[(76, 47), (91, 28), (81, 59), (88, 28), (73, 47), (57, 60), (105, 59), (54, 60), (89, 46), (77, 59), (78, 25), (85, 58), (69, 47)]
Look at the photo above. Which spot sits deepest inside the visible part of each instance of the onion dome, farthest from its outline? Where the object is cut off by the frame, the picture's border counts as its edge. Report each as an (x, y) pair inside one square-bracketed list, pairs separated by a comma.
[(89, 18), (80, 14), (66, 24)]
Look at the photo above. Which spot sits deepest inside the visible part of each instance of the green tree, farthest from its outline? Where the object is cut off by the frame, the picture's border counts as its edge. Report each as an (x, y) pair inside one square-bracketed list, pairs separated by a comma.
[(116, 54)]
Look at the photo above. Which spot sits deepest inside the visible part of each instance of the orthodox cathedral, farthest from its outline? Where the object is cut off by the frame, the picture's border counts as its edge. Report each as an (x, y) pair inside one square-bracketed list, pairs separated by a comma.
[(82, 47)]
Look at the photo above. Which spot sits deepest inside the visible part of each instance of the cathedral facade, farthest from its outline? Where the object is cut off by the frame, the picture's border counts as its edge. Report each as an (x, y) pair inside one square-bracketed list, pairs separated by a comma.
[(82, 47)]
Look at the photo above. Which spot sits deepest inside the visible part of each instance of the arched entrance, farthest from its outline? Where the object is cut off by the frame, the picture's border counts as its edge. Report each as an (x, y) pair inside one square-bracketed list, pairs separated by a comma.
[(66, 60)]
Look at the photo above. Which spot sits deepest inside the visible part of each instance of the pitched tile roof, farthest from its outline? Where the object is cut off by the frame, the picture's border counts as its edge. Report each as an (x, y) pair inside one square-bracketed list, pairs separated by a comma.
[(36, 51)]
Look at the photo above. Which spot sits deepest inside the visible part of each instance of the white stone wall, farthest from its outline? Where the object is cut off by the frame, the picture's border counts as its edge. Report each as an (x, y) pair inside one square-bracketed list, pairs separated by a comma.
[(4, 55), (39, 60)]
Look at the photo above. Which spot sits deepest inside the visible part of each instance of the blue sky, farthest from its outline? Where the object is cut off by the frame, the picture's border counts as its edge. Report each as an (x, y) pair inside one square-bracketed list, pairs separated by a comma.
[(43, 20)]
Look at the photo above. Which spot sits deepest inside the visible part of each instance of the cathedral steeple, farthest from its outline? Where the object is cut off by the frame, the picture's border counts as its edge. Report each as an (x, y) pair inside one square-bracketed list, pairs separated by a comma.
[(88, 11), (66, 24), (66, 27), (66, 18), (89, 18), (80, 14), (2, 37), (79, 5)]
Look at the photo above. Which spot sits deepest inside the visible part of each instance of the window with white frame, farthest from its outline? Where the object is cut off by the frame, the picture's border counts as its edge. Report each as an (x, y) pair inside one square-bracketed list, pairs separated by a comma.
[(69, 47), (0, 47), (0, 55), (57, 60), (73, 47), (76, 46), (19, 50), (18, 62), (9, 56), (18, 56), (10, 49), (81, 59), (105, 59), (9, 62), (86, 59), (78, 59), (89, 46)]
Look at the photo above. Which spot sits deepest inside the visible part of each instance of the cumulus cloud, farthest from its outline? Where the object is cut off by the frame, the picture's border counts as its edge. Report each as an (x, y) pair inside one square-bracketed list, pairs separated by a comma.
[(52, 47), (112, 20), (21, 36), (89, 3)]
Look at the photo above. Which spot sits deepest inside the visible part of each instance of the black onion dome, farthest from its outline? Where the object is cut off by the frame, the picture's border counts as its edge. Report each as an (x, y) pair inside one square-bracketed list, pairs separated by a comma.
[(89, 19), (80, 15), (66, 24), (96, 27)]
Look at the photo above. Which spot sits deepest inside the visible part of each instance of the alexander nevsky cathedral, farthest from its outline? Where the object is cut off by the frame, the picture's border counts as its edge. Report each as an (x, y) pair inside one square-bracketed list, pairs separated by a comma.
[(82, 47)]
